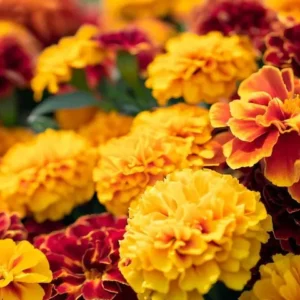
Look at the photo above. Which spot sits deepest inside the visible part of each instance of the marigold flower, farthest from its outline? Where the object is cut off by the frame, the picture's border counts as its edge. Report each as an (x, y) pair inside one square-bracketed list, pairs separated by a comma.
[(84, 259), (48, 176), (285, 211), (283, 48), (184, 235), (12, 136), (287, 8), (279, 279), (18, 50), (243, 17), (56, 62), (128, 165), (11, 227), (105, 126), (265, 126), (23, 269), (194, 67), (186, 122), (48, 20)]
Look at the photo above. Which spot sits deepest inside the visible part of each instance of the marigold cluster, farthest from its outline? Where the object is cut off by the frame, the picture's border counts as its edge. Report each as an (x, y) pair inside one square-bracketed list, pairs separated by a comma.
[(85, 260), (283, 48), (243, 17), (279, 279), (200, 68), (265, 126), (54, 177), (23, 270), (186, 122), (56, 63), (184, 235)]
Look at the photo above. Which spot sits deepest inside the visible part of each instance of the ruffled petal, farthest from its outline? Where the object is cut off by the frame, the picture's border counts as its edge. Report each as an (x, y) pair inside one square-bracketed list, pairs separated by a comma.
[(219, 115)]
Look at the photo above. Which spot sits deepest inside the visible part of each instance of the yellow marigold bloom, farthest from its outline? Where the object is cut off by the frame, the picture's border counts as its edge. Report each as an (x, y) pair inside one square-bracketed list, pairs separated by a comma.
[(12, 136), (186, 122), (185, 234), (48, 176), (55, 64), (279, 280), (74, 118), (22, 269), (105, 126), (200, 68), (128, 165), (182, 8), (287, 8)]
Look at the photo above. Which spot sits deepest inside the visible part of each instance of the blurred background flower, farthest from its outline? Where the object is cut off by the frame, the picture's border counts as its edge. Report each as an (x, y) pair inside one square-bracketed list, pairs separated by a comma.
[(11, 227)]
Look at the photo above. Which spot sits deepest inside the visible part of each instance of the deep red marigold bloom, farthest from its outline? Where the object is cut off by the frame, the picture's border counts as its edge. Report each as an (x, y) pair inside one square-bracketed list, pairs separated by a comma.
[(265, 124), (242, 17), (132, 40), (283, 48), (285, 211), (11, 227), (84, 259)]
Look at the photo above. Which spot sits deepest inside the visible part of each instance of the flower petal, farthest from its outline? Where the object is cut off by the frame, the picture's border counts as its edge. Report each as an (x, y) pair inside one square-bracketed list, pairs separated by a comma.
[(219, 115), (243, 154), (243, 109), (94, 289), (269, 80), (288, 78), (246, 130), (283, 167), (294, 191)]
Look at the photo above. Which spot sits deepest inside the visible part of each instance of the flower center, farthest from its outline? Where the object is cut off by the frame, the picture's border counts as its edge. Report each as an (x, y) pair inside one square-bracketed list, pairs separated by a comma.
[(92, 274), (292, 106)]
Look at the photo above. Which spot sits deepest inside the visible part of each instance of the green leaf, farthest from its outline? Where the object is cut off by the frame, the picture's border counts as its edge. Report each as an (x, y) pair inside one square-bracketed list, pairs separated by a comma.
[(41, 123), (9, 110), (79, 80), (220, 292), (71, 100)]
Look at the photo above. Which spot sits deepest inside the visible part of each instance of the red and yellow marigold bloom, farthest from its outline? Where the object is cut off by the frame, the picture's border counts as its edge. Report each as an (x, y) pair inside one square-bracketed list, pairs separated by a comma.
[(23, 269), (105, 126), (56, 63), (185, 122), (283, 48), (243, 17), (11, 227), (130, 164), (48, 176), (48, 20), (279, 280), (11, 136), (194, 67), (265, 126), (18, 50), (287, 8), (84, 259), (184, 235)]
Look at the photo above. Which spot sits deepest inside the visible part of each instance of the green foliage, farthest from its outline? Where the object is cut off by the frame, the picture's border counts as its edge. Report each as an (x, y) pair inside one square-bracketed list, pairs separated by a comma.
[(220, 292)]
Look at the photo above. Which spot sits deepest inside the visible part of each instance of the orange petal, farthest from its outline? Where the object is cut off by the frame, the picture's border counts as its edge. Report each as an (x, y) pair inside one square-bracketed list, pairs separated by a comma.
[(283, 167), (288, 79), (243, 154), (268, 79), (246, 130), (219, 115), (261, 98), (294, 191), (244, 110), (294, 122)]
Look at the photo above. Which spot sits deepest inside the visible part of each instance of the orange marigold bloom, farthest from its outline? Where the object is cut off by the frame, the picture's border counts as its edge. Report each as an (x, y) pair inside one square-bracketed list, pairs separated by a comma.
[(265, 126), (48, 20), (287, 8), (55, 64), (105, 126), (48, 176), (12, 136), (184, 235), (186, 122), (128, 165), (200, 68), (22, 268), (279, 280)]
